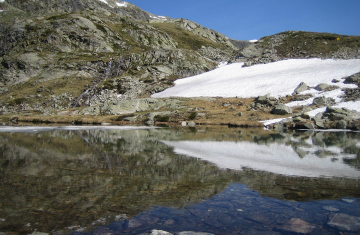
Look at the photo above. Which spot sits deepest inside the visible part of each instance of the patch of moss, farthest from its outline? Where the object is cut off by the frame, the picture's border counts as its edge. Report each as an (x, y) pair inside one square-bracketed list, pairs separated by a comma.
[(19, 100), (315, 44), (160, 118), (184, 38), (58, 17), (100, 27), (192, 116)]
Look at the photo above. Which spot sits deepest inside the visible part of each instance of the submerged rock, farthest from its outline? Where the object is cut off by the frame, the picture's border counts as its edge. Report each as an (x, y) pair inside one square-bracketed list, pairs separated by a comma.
[(298, 226), (344, 222)]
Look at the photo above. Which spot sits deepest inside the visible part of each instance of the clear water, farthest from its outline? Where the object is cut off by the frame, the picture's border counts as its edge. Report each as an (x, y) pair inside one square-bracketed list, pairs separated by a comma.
[(104, 180)]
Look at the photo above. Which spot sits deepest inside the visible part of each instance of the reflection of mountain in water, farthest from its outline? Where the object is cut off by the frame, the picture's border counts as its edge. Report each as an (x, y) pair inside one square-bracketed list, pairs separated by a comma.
[(71, 178), (63, 178)]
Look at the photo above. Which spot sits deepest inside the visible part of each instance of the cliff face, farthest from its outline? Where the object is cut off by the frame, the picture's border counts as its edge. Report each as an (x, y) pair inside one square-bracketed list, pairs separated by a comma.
[(71, 51)]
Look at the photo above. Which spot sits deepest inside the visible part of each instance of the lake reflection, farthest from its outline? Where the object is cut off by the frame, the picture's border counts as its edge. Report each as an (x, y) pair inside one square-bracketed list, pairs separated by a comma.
[(250, 181)]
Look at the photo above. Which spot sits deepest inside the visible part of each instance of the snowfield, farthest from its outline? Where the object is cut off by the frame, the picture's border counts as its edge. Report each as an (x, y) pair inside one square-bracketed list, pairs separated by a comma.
[(274, 79), (277, 79)]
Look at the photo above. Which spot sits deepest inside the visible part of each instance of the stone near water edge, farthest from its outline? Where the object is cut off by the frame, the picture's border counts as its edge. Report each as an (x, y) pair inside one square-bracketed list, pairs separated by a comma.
[(344, 222), (191, 124), (183, 123), (341, 124), (319, 123), (309, 126)]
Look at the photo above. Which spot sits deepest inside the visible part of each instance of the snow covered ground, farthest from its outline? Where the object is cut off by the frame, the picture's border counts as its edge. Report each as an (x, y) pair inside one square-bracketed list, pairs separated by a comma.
[(276, 158), (276, 79)]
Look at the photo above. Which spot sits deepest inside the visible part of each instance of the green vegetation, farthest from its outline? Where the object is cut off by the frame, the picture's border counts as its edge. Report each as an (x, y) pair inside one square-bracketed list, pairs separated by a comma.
[(160, 118), (58, 17), (19, 100), (315, 44), (100, 27), (110, 84), (192, 116), (184, 38), (135, 48)]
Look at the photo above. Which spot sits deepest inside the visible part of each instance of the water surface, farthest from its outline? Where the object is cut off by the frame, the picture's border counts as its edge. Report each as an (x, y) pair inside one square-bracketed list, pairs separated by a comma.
[(130, 180)]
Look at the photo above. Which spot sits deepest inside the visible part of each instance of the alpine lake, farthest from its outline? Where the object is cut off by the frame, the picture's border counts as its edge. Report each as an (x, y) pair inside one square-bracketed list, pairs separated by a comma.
[(210, 179)]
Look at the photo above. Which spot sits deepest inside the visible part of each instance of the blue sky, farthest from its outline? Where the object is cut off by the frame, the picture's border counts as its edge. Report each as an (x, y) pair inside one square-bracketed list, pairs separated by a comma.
[(252, 19)]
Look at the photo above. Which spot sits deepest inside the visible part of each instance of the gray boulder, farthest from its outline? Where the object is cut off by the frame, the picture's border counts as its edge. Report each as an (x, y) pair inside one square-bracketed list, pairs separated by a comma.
[(341, 124), (322, 87), (281, 109), (323, 101), (138, 105), (336, 114), (300, 88), (352, 79)]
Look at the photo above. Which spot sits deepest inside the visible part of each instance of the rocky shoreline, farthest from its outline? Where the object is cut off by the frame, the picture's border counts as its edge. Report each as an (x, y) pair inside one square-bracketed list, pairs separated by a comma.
[(261, 111)]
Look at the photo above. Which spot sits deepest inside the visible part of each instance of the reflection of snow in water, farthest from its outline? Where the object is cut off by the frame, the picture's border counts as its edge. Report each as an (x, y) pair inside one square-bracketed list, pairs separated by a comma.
[(276, 158)]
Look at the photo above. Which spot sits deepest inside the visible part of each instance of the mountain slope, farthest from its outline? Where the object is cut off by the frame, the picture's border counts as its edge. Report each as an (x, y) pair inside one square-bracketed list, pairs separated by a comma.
[(300, 45), (60, 54)]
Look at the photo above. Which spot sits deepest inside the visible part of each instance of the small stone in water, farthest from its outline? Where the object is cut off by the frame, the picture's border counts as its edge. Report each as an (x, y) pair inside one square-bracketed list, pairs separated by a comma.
[(298, 226), (330, 208), (348, 200)]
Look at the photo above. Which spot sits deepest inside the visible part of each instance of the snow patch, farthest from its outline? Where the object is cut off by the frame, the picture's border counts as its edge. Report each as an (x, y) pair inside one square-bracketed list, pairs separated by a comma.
[(254, 40), (104, 1), (277, 79), (158, 17), (122, 4), (223, 63)]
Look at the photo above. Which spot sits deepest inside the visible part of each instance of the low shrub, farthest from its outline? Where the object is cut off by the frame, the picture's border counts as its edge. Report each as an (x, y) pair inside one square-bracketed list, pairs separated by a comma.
[(160, 118)]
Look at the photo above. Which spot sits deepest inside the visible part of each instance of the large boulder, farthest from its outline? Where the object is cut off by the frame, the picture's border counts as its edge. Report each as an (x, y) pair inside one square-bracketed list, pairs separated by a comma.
[(353, 78), (322, 87), (281, 109), (323, 101), (336, 114), (300, 88)]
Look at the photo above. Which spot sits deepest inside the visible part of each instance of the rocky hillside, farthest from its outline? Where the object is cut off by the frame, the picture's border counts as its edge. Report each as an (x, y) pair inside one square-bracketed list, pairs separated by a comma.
[(300, 44), (56, 55)]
